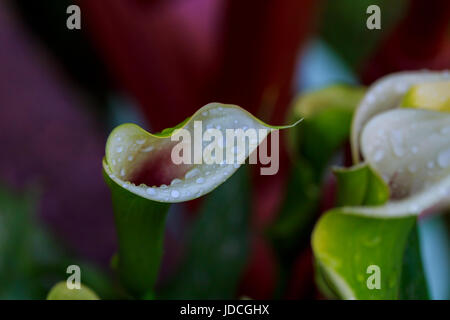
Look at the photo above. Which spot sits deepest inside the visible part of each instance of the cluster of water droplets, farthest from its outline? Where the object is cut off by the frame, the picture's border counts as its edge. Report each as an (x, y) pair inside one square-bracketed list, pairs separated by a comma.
[(411, 152)]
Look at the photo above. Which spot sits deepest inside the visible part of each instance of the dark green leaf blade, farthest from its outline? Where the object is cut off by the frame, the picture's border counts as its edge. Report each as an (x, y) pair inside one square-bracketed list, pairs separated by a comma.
[(219, 245)]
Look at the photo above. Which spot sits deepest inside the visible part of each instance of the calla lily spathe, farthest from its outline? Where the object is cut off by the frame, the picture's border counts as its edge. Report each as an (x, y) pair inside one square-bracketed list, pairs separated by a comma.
[(409, 148)]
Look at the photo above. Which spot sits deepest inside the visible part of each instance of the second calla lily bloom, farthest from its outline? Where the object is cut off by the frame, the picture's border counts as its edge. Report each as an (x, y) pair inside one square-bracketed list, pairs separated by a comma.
[(408, 147)]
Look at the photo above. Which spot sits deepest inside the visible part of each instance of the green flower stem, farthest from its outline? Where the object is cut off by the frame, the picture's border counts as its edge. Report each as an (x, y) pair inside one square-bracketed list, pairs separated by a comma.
[(140, 225)]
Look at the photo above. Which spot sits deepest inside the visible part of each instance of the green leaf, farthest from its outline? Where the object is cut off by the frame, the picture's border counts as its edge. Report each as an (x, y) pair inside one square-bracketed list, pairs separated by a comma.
[(360, 185), (413, 283), (16, 262), (346, 245), (218, 245), (61, 292), (296, 216)]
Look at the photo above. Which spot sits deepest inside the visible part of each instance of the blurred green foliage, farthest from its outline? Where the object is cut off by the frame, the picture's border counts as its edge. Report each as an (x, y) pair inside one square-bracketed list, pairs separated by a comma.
[(218, 245), (325, 128), (351, 40), (31, 260), (327, 115)]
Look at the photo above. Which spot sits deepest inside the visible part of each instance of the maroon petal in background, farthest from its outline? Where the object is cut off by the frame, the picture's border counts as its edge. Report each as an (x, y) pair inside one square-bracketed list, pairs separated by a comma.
[(49, 141)]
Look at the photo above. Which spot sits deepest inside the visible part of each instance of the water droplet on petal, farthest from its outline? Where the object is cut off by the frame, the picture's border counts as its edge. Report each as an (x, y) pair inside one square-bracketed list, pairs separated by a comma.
[(443, 159), (379, 155), (175, 194), (397, 143), (141, 141), (192, 173), (413, 208), (445, 130), (200, 180), (148, 149), (412, 168)]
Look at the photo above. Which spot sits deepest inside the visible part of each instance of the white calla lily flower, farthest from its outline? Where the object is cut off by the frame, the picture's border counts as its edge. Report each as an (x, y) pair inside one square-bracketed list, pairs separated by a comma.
[(386, 94), (409, 148)]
